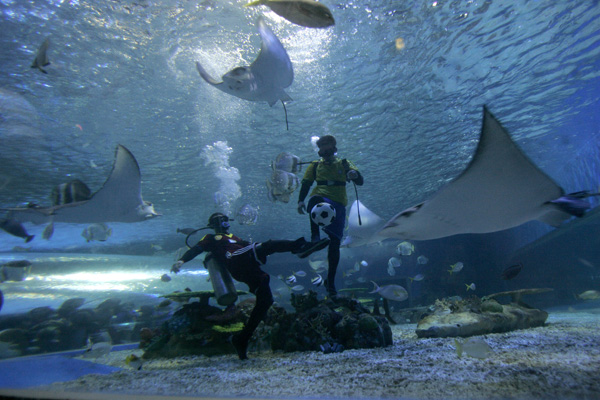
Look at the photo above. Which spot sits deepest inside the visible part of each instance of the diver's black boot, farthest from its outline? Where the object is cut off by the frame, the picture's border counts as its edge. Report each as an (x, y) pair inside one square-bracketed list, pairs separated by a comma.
[(331, 292), (310, 247), (240, 342)]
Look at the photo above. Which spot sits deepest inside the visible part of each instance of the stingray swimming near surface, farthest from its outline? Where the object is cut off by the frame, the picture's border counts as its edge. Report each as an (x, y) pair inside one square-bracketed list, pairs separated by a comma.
[(500, 189), (265, 79), (119, 200)]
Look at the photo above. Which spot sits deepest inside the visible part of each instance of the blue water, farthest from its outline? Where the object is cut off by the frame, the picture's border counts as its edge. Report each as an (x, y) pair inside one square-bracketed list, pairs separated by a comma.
[(123, 72)]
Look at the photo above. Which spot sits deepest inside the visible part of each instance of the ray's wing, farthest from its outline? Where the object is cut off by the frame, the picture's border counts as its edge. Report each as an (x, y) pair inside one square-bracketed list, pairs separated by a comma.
[(500, 189), (273, 63), (121, 194)]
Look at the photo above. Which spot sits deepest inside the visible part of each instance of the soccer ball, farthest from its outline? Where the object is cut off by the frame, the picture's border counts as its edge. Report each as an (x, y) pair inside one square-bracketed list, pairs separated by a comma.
[(323, 214)]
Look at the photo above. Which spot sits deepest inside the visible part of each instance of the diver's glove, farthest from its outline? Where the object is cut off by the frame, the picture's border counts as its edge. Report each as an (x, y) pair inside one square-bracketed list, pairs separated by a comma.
[(176, 267), (352, 175), (301, 207)]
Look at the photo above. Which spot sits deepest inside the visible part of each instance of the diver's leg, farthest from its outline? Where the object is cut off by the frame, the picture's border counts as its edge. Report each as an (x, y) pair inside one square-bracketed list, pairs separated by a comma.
[(315, 233), (299, 246), (264, 300), (333, 257)]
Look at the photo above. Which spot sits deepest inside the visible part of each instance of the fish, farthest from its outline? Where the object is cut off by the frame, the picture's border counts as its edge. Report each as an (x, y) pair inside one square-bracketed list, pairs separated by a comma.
[(297, 288), (390, 292), (265, 79), (405, 248), (99, 232), (589, 295), (361, 232), (456, 267), (15, 228), (186, 231), (70, 192), (512, 271), (422, 260), (418, 277), (291, 279), (300, 273), (317, 281), (48, 231), (247, 215), (119, 200), (41, 57), (281, 185), (391, 270), (473, 347), (98, 350), (318, 265), (471, 286), (499, 189), (165, 278), (394, 262), (307, 13), (134, 362), (363, 263), (399, 44), (287, 162)]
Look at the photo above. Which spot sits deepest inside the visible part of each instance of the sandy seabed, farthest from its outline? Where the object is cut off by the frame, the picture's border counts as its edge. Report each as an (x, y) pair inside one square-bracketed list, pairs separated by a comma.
[(559, 360)]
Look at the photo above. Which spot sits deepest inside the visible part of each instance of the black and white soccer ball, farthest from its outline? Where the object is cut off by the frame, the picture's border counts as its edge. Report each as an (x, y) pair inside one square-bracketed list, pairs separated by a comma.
[(323, 214)]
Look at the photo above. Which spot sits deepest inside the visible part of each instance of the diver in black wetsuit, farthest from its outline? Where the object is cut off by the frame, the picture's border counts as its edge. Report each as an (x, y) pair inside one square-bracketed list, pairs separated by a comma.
[(243, 260)]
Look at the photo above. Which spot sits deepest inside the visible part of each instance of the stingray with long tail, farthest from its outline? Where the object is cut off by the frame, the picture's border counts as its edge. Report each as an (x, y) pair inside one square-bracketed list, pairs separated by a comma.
[(265, 79)]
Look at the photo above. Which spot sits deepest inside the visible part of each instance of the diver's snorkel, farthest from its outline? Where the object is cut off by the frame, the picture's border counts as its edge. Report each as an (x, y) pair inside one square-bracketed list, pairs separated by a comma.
[(223, 225), (193, 232)]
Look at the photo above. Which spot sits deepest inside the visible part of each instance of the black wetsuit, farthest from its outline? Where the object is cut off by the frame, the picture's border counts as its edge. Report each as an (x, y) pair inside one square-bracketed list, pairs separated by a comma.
[(243, 260)]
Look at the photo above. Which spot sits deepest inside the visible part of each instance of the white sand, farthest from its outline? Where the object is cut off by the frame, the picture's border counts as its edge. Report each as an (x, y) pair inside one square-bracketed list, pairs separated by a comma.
[(560, 360)]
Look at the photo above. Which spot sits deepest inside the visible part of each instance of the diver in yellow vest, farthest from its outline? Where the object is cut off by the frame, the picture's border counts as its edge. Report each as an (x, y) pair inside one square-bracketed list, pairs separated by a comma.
[(331, 174)]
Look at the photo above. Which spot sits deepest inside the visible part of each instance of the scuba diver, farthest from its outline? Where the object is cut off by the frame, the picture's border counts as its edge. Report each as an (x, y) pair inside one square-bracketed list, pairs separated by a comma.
[(243, 261), (331, 174)]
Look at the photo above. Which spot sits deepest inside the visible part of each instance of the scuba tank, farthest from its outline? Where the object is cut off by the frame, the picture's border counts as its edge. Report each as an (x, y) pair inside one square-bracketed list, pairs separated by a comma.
[(221, 280)]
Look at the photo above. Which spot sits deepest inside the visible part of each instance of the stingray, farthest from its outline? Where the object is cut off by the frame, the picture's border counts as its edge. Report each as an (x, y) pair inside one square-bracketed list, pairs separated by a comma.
[(500, 189), (265, 78), (119, 200)]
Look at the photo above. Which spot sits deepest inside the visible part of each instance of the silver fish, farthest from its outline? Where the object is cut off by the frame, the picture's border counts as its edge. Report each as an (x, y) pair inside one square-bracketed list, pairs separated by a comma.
[(99, 232), (48, 231), (391, 292)]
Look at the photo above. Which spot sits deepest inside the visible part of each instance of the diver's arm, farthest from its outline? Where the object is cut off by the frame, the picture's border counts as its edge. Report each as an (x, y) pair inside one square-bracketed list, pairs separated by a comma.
[(303, 193), (187, 256), (359, 180)]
